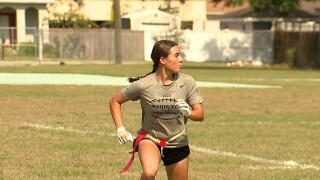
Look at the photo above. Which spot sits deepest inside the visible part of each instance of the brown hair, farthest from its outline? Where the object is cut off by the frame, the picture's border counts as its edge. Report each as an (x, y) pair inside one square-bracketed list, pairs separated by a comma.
[(160, 49)]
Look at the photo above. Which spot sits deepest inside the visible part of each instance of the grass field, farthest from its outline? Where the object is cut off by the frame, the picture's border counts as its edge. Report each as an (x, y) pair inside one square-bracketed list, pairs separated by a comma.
[(66, 132)]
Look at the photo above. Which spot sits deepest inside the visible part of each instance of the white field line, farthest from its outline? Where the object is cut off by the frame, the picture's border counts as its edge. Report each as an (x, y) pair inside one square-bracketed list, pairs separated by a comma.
[(267, 123), (264, 79), (283, 164), (281, 167), (279, 164), (60, 128)]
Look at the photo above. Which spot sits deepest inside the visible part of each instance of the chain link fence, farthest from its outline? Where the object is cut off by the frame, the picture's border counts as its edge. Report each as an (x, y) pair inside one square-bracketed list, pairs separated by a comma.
[(13, 49), (295, 48)]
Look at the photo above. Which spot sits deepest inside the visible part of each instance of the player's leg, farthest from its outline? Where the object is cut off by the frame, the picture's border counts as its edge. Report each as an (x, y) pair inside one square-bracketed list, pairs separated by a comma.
[(179, 170), (177, 162), (150, 157)]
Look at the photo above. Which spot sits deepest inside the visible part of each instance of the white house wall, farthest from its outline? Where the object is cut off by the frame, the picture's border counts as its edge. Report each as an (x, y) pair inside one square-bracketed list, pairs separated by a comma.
[(221, 46), (191, 10), (212, 25), (21, 25), (41, 8), (194, 11), (20, 9), (152, 20)]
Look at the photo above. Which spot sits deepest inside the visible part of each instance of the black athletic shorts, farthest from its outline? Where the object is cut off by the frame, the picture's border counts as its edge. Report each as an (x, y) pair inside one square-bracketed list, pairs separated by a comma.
[(174, 155)]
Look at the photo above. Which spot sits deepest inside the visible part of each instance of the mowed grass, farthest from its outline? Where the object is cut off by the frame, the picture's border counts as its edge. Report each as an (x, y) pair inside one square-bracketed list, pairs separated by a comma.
[(66, 132)]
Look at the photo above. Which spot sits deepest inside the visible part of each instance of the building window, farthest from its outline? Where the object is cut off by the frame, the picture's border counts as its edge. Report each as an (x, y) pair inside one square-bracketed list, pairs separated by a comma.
[(187, 25)]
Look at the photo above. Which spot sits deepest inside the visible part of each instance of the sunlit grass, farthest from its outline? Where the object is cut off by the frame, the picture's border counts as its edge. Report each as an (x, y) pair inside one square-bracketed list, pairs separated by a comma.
[(66, 132)]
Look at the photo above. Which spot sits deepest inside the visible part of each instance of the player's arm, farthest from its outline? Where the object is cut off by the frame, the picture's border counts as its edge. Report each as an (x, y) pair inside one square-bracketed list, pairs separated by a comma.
[(197, 113), (115, 109)]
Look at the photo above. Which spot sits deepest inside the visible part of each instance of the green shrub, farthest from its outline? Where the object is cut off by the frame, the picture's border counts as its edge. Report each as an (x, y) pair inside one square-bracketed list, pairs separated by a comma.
[(50, 51), (291, 56), (26, 49)]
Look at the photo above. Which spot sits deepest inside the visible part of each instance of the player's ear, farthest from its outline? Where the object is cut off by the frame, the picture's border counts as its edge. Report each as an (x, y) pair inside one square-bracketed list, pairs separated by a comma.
[(162, 60)]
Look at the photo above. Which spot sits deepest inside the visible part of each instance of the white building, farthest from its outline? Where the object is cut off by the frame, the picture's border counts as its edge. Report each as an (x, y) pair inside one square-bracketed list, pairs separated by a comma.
[(192, 13), (19, 19), (150, 20)]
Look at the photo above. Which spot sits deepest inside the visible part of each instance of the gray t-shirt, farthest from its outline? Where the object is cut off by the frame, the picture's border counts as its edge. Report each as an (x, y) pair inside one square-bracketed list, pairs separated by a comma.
[(160, 116)]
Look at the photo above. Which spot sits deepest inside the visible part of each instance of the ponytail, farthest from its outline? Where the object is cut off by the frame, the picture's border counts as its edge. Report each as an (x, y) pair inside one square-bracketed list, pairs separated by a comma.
[(132, 79)]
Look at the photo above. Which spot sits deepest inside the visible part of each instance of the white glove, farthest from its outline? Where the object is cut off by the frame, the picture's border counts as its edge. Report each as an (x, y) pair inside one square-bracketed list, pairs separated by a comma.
[(123, 135), (183, 107)]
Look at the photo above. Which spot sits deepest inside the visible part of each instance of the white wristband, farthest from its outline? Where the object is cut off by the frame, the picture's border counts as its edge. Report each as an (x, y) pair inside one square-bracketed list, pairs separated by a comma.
[(120, 129)]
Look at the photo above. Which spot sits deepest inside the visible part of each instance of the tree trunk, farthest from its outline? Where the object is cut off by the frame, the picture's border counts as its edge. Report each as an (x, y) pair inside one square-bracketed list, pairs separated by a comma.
[(117, 31)]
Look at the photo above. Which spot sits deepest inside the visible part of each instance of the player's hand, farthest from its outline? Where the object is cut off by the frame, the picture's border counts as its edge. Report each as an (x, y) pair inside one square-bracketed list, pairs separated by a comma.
[(123, 135), (183, 107)]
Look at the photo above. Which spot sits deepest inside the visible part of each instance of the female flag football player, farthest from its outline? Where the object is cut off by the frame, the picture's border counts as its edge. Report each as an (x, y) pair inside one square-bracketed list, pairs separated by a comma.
[(168, 99)]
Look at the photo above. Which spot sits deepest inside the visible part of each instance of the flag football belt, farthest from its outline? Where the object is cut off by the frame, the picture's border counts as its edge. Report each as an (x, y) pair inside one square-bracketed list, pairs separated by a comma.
[(143, 134)]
